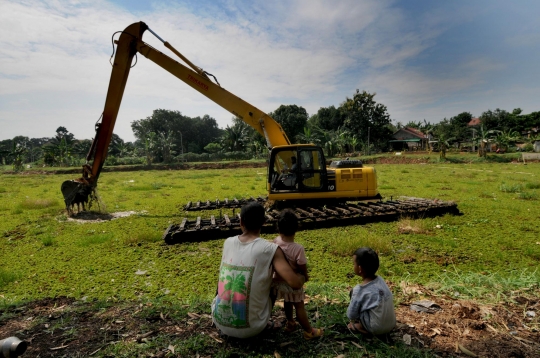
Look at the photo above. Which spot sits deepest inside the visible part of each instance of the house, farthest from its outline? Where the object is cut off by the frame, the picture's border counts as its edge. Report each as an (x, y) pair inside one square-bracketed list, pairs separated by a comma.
[(407, 138), (474, 122)]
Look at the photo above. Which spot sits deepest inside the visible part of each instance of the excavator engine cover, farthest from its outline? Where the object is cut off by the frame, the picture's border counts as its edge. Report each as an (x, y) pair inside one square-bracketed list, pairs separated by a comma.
[(346, 164)]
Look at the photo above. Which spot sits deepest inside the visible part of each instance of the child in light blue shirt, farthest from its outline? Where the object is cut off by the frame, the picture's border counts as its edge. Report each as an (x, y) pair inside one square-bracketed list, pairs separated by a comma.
[(372, 308)]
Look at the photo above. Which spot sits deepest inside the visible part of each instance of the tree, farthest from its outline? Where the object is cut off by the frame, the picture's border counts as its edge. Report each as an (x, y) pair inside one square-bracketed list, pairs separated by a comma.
[(498, 120), (459, 127), (165, 141), (442, 133), (364, 116), (213, 148), (484, 136), (308, 136), (327, 118), (354, 142), (235, 137), (292, 119), (341, 138), (183, 131), (62, 132), (504, 139)]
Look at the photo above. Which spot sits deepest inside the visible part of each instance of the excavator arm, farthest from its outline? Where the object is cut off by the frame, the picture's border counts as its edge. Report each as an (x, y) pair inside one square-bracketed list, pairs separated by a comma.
[(78, 192)]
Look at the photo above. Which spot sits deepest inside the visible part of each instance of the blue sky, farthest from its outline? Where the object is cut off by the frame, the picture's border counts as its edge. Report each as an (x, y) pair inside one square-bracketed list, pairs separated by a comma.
[(424, 59)]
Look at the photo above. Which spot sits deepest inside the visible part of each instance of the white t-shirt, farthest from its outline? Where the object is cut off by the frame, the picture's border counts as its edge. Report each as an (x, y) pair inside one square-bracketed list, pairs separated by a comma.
[(242, 306)]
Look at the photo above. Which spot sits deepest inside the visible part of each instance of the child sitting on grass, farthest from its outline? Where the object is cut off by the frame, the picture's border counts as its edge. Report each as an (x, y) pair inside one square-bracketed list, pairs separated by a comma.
[(295, 254), (371, 310)]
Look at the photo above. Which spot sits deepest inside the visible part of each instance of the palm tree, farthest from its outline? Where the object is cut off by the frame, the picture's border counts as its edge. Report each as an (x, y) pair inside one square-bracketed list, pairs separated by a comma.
[(505, 138), (443, 140), (235, 137), (166, 143), (427, 129), (17, 153), (149, 146), (484, 137), (341, 138), (353, 141), (307, 137)]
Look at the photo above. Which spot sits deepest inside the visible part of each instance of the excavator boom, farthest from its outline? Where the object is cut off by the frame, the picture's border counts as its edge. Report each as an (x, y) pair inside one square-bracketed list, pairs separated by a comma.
[(78, 192), (298, 175)]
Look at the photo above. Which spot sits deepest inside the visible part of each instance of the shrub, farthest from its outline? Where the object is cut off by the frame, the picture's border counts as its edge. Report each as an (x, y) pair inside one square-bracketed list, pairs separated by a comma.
[(47, 241), (7, 277), (529, 147), (527, 196), (510, 188)]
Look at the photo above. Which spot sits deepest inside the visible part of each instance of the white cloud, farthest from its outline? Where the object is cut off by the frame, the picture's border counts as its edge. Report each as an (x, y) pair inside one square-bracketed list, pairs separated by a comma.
[(54, 60)]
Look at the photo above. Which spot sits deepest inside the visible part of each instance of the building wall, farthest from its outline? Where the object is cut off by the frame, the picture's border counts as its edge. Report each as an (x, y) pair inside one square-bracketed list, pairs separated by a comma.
[(401, 134)]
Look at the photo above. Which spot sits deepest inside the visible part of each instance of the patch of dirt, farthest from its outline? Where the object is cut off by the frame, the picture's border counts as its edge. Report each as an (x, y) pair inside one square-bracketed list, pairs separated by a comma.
[(63, 327), (465, 328), (96, 217)]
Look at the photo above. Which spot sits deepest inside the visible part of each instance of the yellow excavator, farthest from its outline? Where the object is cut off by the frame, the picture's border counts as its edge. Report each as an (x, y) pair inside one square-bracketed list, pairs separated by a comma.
[(297, 173)]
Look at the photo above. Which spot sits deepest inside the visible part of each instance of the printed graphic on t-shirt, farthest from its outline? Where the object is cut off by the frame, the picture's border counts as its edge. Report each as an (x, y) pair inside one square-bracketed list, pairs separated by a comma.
[(232, 304)]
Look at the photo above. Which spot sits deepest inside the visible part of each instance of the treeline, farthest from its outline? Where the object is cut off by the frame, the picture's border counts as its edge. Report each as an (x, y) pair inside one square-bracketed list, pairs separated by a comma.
[(499, 127), (358, 125)]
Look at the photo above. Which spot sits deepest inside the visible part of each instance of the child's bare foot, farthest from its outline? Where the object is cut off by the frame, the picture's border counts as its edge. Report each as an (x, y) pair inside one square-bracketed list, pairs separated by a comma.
[(356, 327)]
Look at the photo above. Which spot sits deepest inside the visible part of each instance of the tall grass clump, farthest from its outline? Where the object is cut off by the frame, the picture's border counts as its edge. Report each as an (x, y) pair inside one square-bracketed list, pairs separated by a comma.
[(157, 185), (2, 189), (95, 239), (510, 188), (34, 204), (528, 186), (7, 277), (145, 235), (345, 242), (408, 226), (47, 241), (527, 196), (488, 287)]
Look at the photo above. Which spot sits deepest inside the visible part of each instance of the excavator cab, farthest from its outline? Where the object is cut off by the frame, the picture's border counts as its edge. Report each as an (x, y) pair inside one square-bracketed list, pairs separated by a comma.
[(297, 169)]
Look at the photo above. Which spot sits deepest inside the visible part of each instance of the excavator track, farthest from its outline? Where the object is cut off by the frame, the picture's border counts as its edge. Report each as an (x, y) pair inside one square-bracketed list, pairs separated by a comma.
[(310, 217)]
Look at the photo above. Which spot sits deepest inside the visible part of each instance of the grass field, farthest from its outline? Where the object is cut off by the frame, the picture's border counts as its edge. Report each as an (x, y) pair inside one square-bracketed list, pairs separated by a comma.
[(489, 252)]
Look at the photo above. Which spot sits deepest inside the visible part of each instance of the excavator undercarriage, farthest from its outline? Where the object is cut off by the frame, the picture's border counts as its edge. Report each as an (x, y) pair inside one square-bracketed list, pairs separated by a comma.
[(311, 216)]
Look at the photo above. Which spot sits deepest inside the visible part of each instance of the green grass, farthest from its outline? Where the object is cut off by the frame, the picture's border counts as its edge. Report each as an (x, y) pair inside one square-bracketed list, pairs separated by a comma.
[(36, 227), (95, 239), (511, 188), (489, 253), (532, 185), (35, 204), (6, 277), (485, 286)]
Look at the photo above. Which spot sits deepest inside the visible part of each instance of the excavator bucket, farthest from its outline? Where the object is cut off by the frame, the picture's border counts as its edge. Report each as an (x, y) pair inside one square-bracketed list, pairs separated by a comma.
[(76, 194)]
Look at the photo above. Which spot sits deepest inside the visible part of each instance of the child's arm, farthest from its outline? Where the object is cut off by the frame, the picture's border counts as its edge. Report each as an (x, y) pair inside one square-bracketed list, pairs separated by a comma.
[(303, 270), (301, 262), (355, 307)]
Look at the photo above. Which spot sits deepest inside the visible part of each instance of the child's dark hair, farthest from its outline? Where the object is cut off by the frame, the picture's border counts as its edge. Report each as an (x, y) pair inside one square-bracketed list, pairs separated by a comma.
[(287, 222), (252, 216), (368, 260)]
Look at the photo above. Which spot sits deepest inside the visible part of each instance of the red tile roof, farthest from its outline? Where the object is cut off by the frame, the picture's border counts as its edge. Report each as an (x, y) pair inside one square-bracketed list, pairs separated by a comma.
[(474, 122), (414, 131)]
